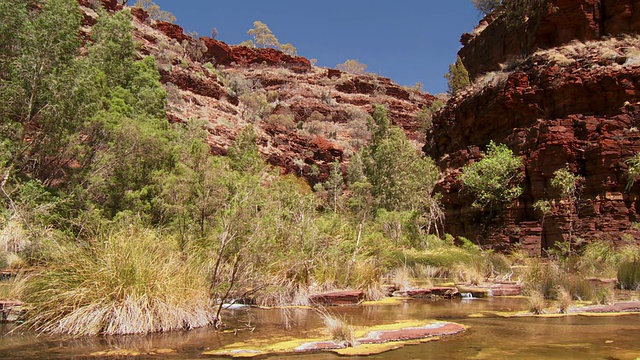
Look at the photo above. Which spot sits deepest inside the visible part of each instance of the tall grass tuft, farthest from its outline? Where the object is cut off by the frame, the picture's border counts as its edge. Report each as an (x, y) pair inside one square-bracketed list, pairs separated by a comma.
[(629, 275), (536, 302), (564, 300), (339, 329), (131, 282)]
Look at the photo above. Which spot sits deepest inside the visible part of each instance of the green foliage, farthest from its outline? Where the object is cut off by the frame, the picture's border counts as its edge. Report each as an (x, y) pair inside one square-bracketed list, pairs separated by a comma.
[(486, 6), (495, 179), (567, 182), (633, 170), (543, 206), (457, 77), (352, 66), (112, 50), (400, 177), (334, 186), (425, 115), (244, 153)]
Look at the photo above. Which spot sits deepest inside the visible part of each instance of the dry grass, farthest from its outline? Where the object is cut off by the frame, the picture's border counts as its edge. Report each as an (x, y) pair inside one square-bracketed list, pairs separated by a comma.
[(339, 329), (132, 282), (564, 300), (401, 278), (537, 303)]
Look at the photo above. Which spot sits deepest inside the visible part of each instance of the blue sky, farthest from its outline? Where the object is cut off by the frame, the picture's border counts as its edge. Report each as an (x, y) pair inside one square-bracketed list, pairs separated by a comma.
[(405, 40)]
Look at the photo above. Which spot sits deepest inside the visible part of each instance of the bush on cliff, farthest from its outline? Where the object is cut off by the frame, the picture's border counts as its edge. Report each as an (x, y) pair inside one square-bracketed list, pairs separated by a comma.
[(495, 179)]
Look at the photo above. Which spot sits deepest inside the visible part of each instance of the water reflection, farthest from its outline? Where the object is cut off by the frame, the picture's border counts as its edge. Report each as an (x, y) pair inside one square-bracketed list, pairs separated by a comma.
[(486, 338)]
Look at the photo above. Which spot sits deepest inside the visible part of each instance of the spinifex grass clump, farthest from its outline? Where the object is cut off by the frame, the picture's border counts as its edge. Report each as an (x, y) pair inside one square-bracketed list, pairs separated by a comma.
[(132, 282)]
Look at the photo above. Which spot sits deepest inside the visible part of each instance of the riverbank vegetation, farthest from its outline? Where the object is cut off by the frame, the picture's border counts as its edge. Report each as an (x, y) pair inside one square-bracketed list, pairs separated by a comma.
[(132, 226)]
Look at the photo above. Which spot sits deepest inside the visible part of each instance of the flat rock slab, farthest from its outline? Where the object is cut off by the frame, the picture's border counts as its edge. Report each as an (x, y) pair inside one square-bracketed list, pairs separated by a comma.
[(369, 341), (347, 297), (445, 292), (10, 310), (621, 307), (505, 290), (412, 333)]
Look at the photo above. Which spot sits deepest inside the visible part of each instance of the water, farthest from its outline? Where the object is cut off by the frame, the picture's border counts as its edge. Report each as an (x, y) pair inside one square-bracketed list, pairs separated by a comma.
[(490, 337)]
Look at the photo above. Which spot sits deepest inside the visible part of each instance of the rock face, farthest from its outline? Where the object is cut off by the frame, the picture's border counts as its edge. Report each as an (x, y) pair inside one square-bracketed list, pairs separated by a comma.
[(305, 117), (499, 40), (576, 105)]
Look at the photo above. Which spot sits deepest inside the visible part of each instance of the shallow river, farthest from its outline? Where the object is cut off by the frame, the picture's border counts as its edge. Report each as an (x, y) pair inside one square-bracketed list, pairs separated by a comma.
[(489, 337)]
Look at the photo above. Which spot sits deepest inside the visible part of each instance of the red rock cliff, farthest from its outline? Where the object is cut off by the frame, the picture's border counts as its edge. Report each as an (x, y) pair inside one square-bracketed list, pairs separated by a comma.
[(575, 105), (500, 39)]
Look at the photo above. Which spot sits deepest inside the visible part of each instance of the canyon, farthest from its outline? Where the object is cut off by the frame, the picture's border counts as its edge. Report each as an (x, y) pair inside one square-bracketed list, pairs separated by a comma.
[(561, 88)]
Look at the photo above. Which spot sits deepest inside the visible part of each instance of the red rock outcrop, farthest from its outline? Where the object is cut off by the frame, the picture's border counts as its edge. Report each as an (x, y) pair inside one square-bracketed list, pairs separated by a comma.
[(501, 38), (305, 117), (577, 105), (223, 54)]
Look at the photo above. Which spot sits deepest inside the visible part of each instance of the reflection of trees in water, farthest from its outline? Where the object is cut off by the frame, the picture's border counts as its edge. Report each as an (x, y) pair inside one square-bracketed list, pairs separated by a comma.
[(176, 340)]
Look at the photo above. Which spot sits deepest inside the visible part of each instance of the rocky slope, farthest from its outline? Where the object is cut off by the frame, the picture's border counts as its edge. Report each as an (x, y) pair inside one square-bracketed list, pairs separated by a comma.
[(305, 116), (577, 104)]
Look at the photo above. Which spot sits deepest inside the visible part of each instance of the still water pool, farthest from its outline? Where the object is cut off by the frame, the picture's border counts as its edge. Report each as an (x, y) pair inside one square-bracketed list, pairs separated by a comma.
[(488, 337)]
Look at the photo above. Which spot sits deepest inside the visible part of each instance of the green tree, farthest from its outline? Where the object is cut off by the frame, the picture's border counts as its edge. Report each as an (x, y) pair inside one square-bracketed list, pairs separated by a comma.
[(38, 88), (352, 66), (457, 77), (155, 12), (243, 152), (494, 180), (262, 36), (486, 6), (544, 207), (112, 49), (334, 185), (568, 184), (401, 178)]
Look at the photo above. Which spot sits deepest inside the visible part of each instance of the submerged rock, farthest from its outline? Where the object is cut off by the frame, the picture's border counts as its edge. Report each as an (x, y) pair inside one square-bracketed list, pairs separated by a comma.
[(369, 341)]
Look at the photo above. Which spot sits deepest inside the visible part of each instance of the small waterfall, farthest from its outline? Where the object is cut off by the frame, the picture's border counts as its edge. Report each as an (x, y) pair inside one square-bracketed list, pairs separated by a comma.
[(466, 295)]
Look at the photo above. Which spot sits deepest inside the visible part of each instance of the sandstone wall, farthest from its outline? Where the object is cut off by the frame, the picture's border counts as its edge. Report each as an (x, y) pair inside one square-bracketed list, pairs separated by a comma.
[(496, 41)]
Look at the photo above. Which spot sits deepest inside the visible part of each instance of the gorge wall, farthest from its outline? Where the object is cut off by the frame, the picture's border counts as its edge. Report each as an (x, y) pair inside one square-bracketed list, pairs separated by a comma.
[(575, 105), (305, 117), (500, 38)]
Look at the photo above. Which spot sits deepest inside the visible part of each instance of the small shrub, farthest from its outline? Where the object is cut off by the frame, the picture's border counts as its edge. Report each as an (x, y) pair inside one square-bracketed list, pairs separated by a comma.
[(352, 66), (564, 300), (286, 121), (629, 275), (402, 278), (457, 77), (536, 302), (603, 296), (598, 258), (494, 180), (339, 329)]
